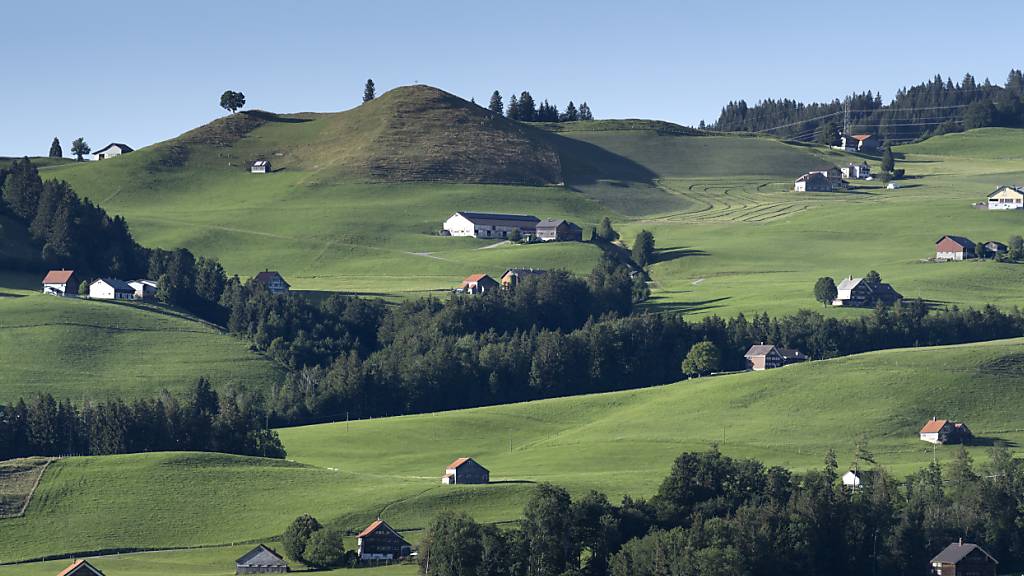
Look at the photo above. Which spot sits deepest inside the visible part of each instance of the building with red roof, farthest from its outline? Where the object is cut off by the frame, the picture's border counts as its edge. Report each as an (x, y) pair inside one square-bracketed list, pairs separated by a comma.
[(466, 471)]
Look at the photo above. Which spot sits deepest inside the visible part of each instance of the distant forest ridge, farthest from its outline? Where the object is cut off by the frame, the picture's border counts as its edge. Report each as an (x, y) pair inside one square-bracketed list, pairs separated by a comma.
[(927, 109)]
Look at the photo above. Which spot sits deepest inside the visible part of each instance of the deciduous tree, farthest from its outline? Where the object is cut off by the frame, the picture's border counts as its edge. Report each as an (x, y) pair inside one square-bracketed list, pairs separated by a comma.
[(703, 358), (79, 148), (232, 101), (825, 290)]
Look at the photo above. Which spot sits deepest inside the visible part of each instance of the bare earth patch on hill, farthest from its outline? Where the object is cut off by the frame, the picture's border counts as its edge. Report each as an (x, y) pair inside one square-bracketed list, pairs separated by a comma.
[(18, 481)]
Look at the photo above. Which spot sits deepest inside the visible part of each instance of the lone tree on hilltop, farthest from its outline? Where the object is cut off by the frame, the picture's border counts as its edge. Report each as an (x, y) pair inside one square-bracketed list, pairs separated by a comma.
[(496, 105), (79, 148), (232, 101), (55, 149), (825, 290), (703, 358), (369, 91)]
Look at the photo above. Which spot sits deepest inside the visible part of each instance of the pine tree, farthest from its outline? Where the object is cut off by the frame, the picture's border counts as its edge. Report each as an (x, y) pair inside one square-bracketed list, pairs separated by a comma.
[(55, 149), (585, 113), (571, 114), (369, 91), (513, 108), (527, 108), (496, 105), (22, 189), (888, 162)]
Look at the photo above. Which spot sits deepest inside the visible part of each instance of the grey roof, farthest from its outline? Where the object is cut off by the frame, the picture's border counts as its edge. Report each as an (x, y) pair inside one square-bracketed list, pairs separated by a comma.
[(791, 353), (552, 223), (524, 272), (965, 242), (760, 350), (849, 283), (123, 147), (261, 556), (1019, 189), (997, 244), (491, 219), (117, 285), (957, 551)]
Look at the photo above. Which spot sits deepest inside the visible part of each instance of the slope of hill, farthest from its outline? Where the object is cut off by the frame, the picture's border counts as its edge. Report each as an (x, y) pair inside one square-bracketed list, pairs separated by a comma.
[(619, 443), (82, 349), (981, 144)]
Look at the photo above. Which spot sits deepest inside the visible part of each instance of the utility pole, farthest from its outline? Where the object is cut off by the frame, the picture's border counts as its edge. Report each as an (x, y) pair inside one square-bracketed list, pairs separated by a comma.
[(846, 116)]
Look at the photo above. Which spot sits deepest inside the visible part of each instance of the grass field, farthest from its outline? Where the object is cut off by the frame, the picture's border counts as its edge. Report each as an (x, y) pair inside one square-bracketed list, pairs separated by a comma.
[(82, 349), (347, 474)]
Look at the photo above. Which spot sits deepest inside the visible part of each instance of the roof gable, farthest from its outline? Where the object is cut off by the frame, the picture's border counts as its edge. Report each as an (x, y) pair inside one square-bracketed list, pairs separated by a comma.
[(761, 350), (378, 524), (117, 285), (80, 568), (964, 243), (58, 276), (957, 551), (124, 148), (933, 426), (261, 556)]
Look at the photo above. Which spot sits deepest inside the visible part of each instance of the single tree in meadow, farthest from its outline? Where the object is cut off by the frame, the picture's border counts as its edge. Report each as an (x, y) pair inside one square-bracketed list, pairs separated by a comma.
[(1016, 247), (888, 162), (324, 549), (232, 101), (643, 248), (296, 537), (703, 358), (55, 149), (369, 91), (79, 148), (496, 104), (825, 290)]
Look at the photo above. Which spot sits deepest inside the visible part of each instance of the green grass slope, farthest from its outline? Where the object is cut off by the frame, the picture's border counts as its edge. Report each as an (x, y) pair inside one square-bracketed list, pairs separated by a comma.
[(83, 349), (620, 443), (981, 143)]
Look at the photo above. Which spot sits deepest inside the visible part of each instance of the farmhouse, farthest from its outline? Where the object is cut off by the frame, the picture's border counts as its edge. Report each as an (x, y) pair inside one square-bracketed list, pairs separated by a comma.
[(273, 281), (144, 289), (111, 150), (477, 284), (260, 167), (551, 230), (60, 283), (111, 289), (466, 471), (513, 276), (380, 542), (959, 559), (485, 225), (763, 357), (813, 182), (954, 248), (261, 560), (81, 568), (858, 292), (994, 248), (1006, 198), (857, 171), (858, 143), (945, 432)]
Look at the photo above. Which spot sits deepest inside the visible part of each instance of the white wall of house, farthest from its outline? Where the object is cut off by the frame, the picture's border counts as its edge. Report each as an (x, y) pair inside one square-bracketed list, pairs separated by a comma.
[(108, 153), (100, 290), (459, 225), (851, 479), (932, 437), (1006, 199), (949, 255), (57, 289)]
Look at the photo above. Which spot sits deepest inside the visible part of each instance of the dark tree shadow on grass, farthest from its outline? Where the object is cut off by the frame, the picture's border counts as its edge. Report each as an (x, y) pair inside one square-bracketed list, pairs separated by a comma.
[(675, 253), (657, 305)]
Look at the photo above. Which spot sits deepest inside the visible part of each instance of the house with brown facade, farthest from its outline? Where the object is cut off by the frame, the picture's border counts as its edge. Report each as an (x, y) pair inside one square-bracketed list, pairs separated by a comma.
[(513, 276), (80, 568), (60, 283), (858, 292), (938, 431), (813, 182), (552, 230), (381, 542), (951, 247), (261, 560), (466, 471), (963, 559), (763, 357), (477, 284), (273, 280)]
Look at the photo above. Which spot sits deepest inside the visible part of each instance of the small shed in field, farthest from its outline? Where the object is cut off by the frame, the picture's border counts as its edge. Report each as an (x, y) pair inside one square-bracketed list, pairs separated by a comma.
[(953, 248), (111, 150), (260, 167), (466, 471)]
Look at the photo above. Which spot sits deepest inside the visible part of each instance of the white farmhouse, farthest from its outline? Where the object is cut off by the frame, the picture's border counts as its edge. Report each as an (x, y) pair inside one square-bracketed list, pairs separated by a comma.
[(111, 150), (144, 289), (111, 289), (60, 283), (857, 171), (1006, 198), (484, 225)]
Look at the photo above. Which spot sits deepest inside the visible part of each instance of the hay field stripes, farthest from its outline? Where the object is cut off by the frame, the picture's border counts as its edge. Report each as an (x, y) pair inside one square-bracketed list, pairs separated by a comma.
[(18, 482)]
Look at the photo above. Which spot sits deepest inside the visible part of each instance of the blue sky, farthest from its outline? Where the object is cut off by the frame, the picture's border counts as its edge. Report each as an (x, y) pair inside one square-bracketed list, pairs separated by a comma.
[(139, 72)]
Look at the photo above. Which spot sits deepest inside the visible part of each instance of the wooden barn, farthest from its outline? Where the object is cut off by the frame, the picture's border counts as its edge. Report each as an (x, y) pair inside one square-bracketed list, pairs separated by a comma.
[(945, 432), (466, 471), (953, 248), (111, 150), (551, 230), (477, 284), (80, 568), (960, 559), (380, 542), (261, 560)]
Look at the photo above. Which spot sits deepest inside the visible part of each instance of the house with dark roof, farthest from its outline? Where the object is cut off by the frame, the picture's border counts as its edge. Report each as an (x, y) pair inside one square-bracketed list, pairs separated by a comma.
[(466, 471), (261, 560), (80, 568), (763, 357), (552, 230), (951, 247), (111, 150), (273, 281), (1006, 198), (813, 182), (994, 248), (260, 167), (857, 171), (381, 542), (858, 143), (792, 355), (60, 283), (477, 284), (858, 292), (962, 559), (488, 225), (513, 276), (938, 431), (144, 289), (111, 289)]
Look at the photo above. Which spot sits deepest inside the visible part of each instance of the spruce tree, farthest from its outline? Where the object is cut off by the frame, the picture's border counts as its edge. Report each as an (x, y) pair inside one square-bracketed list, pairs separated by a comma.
[(55, 149), (496, 105), (369, 91), (513, 108), (527, 108), (22, 189), (585, 113), (571, 114), (888, 162)]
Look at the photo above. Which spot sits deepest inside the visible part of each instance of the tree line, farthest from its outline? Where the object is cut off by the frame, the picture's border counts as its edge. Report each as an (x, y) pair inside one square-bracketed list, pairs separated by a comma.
[(523, 108), (715, 515), (232, 421)]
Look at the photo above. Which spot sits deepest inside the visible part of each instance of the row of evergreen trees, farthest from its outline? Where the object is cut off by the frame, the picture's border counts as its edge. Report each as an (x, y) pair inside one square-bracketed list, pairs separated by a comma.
[(233, 421), (930, 108), (714, 515), (525, 109)]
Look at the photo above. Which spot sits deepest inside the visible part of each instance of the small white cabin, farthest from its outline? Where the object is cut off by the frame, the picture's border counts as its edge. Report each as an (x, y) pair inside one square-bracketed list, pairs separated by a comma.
[(260, 167), (111, 289), (852, 479), (111, 150)]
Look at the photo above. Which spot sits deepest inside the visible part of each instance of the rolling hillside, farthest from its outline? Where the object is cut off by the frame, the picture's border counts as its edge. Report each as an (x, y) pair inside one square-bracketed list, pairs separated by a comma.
[(620, 442)]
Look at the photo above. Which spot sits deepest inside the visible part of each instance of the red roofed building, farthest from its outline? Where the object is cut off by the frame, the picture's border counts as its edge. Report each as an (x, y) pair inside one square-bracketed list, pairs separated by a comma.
[(466, 471), (380, 542), (60, 283), (81, 568), (945, 432), (478, 284), (273, 281)]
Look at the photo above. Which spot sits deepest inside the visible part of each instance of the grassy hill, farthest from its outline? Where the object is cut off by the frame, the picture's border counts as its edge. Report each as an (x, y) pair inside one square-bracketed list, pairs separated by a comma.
[(84, 349), (620, 443)]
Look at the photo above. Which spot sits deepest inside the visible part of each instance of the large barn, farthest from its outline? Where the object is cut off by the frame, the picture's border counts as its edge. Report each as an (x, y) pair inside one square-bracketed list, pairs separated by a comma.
[(486, 225), (380, 542), (261, 560)]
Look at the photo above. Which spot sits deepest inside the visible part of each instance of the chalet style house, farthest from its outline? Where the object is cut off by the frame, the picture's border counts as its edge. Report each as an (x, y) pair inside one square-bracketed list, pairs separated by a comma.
[(466, 471), (1007, 198), (111, 150), (60, 283), (513, 276), (273, 281), (486, 225), (946, 432), (767, 356), (960, 559), (858, 292), (81, 568), (111, 289), (477, 284), (551, 230), (261, 560), (857, 171), (380, 542), (953, 248), (260, 167), (828, 180)]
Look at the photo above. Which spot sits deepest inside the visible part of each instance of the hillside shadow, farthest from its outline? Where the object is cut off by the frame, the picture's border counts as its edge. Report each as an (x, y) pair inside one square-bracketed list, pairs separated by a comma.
[(271, 117), (10, 295), (675, 253), (586, 163), (511, 482), (676, 307), (989, 441)]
